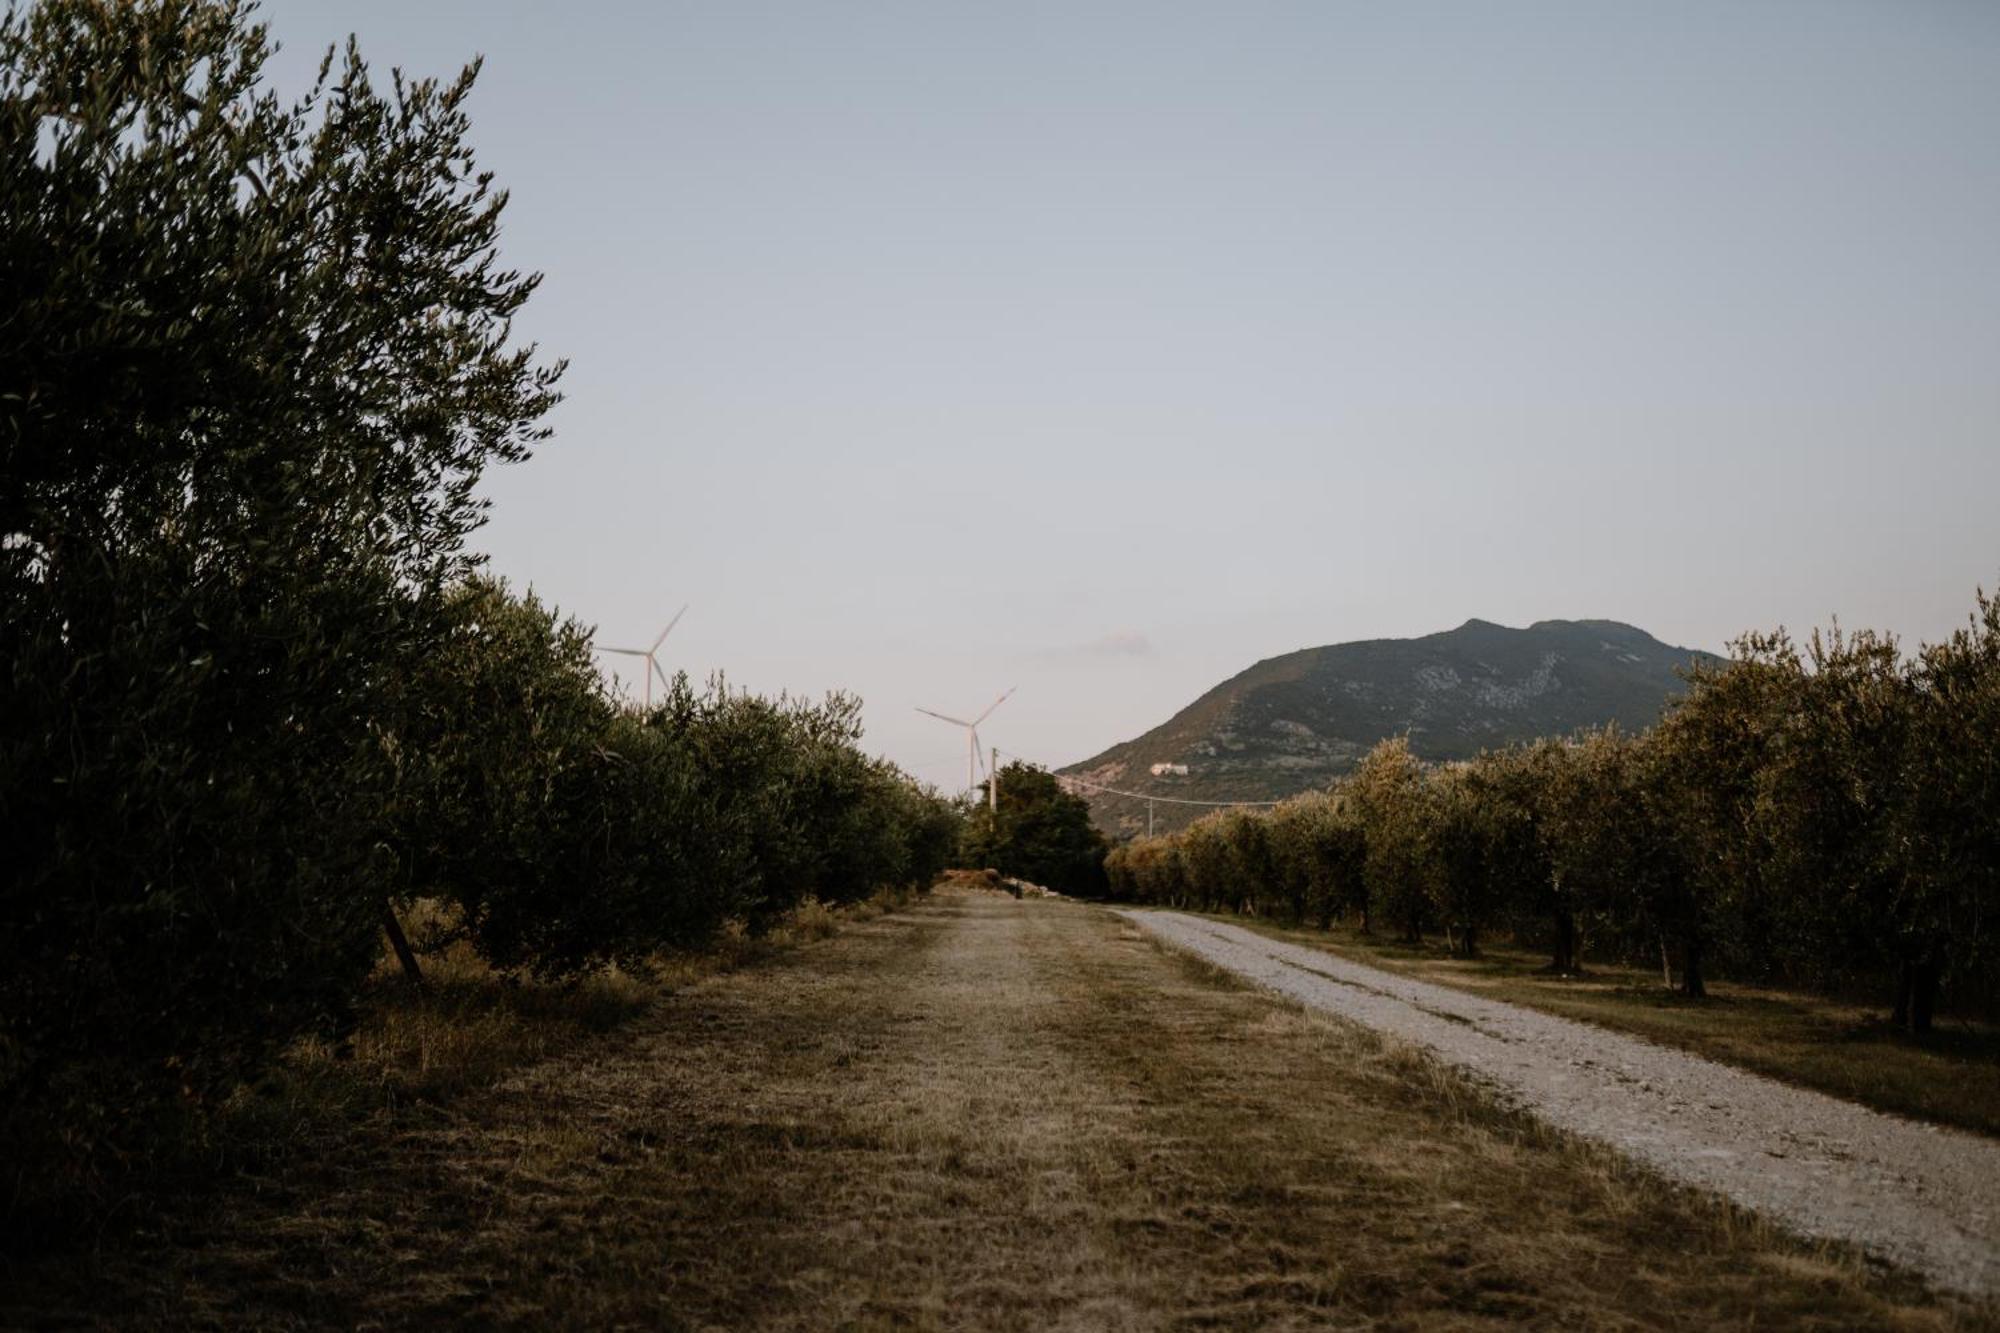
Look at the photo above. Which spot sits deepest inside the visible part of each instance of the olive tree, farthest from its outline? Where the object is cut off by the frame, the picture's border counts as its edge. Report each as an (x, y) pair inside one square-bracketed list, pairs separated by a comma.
[(1702, 772), (257, 355), (1038, 831), (1387, 789), (1940, 914)]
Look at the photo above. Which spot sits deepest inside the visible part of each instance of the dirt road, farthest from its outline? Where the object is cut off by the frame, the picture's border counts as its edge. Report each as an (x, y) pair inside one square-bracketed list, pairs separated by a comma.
[(983, 1113), (1918, 1195)]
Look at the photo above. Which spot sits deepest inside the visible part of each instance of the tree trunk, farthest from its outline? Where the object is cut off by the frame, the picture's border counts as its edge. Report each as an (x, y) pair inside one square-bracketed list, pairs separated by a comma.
[(1562, 959), (1900, 1015), (1923, 997), (1691, 979), (1472, 941), (1364, 920), (1666, 966), (394, 930)]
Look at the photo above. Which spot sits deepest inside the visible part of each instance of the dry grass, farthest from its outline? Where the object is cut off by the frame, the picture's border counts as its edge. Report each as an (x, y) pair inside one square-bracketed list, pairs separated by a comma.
[(976, 1113), (415, 1051), (467, 1027), (1951, 1077)]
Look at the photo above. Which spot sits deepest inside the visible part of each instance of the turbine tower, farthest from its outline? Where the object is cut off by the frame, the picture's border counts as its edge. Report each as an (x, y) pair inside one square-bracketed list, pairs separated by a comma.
[(652, 661), (972, 756)]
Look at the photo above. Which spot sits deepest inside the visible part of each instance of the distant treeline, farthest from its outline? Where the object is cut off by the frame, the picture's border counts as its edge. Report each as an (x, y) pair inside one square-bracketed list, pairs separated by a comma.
[(1825, 815), (257, 356)]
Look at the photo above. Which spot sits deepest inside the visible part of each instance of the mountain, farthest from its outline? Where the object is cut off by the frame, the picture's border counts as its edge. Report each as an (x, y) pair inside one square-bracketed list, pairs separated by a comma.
[(1293, 723)]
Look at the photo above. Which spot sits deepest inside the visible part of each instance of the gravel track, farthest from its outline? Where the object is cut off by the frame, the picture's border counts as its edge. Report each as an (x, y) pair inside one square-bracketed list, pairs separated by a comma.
[(1918, 1195)]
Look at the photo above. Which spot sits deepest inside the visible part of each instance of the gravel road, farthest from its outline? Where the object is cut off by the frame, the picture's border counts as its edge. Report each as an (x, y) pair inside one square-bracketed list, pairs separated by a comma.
[(1918, 1195)]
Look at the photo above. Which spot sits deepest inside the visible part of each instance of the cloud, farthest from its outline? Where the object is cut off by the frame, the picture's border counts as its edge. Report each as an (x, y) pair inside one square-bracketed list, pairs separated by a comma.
[(1120, 643)]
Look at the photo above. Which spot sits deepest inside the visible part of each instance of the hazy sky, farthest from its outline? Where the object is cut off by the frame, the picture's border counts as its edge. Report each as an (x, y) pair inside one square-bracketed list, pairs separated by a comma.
[(930, 349)]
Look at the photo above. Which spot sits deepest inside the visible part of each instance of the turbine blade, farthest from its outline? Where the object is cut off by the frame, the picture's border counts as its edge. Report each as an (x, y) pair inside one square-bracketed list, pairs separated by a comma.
[(628, 652), (990, 707), (665, 684), (955, 721), (670, 627)]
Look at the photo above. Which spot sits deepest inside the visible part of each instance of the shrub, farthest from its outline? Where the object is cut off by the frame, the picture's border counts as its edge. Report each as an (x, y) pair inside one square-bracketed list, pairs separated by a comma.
[(1039, 833)]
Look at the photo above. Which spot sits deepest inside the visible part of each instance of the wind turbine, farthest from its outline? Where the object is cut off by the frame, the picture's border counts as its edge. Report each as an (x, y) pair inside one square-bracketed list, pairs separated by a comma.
[(971, 735), (652, 662)]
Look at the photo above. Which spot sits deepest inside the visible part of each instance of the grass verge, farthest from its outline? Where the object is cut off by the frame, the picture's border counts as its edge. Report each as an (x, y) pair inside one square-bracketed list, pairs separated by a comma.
[(467, 1027), (415, 1052)]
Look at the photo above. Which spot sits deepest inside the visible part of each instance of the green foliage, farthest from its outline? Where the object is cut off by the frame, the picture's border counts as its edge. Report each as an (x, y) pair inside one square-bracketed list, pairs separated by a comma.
[(1040, 833), (1148, 870), (1289, 838), (1827, 803), (570, 833), (1211, 871), (1943, 914), (1400, 868), (1610, 858), (506, 756), (1703, 764), (256, 357), (1516, 788), (1462, 833), (1319, 853)]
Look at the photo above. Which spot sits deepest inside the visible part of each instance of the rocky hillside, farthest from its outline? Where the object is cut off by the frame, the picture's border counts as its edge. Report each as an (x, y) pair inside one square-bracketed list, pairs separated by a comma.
[(1295, 722)]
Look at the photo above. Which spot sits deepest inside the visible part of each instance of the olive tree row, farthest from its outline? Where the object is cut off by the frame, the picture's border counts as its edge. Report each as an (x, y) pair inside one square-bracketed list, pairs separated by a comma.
[(570, 832), (1822, 814), (257, 356)]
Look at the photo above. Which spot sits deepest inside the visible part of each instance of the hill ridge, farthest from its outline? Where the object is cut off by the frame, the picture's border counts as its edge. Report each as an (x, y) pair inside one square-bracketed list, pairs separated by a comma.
[(1295, 721)]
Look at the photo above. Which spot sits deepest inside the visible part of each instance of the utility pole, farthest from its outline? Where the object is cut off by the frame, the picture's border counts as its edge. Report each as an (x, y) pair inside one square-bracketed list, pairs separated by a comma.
[(993, 784), (1149, 816)]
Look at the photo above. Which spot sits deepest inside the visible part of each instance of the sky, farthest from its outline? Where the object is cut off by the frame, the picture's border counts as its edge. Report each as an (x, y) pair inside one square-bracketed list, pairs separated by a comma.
[(930, 349)]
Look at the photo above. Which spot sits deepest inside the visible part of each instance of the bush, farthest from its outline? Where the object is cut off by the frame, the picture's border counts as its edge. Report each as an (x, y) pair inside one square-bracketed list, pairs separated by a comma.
[(1040, 833)]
